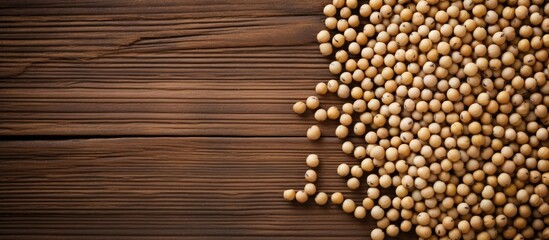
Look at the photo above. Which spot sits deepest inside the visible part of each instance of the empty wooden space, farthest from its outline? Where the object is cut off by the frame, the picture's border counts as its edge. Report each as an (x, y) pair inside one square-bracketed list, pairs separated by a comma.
[(162, 119)]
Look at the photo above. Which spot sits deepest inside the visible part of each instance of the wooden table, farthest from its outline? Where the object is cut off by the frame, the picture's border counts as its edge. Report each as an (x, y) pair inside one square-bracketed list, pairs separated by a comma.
[(162, 119)]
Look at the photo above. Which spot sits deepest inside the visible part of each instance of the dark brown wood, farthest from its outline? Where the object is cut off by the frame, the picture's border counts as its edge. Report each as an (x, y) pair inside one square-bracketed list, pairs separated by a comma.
[(157, 67), (162, 120), (168, 187)]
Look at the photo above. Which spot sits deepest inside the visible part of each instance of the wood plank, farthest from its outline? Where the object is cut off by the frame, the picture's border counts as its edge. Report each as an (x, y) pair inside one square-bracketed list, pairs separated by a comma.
[(144, 187), (58, 111), (157, 68)]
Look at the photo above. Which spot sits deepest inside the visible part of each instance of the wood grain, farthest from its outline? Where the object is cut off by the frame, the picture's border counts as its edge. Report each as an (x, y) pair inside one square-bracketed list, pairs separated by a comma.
[(162, 119), (160, 68), (142, 187), (177, 112)]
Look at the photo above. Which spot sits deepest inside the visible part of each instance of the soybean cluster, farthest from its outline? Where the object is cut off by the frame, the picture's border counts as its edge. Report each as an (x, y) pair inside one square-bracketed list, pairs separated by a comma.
[(450, 99)]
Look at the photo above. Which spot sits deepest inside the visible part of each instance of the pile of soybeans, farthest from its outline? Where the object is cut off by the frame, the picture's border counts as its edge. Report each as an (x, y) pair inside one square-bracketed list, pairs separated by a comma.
[(451, 100)]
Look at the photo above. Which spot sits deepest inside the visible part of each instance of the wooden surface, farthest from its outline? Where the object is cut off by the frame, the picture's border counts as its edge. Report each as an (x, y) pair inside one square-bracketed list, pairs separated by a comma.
[(162, 120)]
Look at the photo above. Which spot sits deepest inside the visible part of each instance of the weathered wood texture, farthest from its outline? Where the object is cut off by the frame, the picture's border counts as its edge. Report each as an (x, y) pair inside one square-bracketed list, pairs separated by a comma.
[(161, 120), (130, 187), (174, 68)]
